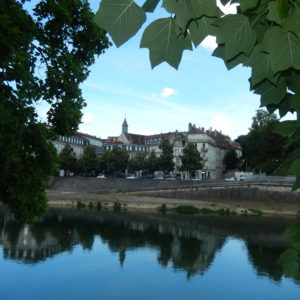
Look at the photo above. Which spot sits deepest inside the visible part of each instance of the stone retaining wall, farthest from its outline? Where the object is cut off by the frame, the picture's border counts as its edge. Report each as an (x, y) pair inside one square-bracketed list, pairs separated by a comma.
[(111, 185), (261, 195)]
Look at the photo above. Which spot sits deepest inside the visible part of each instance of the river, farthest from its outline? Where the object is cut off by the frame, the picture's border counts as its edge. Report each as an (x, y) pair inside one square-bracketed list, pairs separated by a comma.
[(81, 254)]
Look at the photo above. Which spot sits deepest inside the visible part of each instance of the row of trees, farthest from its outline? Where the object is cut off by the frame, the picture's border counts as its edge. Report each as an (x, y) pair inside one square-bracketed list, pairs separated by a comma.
[(117, 160)]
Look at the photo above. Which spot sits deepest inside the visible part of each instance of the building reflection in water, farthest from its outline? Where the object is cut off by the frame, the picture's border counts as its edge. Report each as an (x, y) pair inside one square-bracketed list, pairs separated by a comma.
[(186, 243)]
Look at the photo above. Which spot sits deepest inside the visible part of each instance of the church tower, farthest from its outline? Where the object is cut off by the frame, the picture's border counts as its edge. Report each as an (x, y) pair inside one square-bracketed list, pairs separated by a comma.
[(125, 127)]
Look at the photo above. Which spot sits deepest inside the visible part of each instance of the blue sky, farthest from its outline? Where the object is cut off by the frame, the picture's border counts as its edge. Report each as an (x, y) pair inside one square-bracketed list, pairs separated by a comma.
[(201, 91)]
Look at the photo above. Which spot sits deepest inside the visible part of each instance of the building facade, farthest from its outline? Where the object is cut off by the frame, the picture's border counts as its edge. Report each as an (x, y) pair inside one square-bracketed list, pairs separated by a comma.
[(211, 144)]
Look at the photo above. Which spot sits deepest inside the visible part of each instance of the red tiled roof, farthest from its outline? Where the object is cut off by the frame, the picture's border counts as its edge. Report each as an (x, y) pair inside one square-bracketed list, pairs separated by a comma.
[(160, 135), (195, 130), (88, 135), (137, 139)]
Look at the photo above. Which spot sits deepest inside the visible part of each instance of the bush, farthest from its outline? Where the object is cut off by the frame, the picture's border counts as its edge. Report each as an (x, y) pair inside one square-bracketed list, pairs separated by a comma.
[(117, 206), (256, 211), (80, 204), (163, 208), (99, 205), (186, 209)]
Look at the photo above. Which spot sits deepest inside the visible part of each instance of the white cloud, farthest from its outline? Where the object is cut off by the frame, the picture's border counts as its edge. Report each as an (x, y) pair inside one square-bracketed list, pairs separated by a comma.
[(168, 92), (209, 43), (221, 123), (87, 118)]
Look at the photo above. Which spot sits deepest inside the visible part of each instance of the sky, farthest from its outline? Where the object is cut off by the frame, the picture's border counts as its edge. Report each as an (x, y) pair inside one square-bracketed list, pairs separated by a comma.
[(202, 91)]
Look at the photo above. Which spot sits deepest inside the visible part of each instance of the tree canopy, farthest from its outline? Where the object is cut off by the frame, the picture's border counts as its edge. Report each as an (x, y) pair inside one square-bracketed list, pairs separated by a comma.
[(263, 150), (231, 160), (165, 161), (191, 159), (67, 159), (45, 55), (114, 161)]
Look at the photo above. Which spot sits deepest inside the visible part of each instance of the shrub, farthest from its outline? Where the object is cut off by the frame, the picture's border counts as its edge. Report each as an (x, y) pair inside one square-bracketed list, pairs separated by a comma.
[(80, 204), (163, 208), (117, 206), (99, 205)]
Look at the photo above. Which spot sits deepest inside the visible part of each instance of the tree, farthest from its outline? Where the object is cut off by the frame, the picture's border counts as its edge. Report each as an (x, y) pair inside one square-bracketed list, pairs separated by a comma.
[(67, 159), (191, 159), (262, 149), (151, 164), (88, 161), (114, 161), (263, 118), (165, 161), (45, 55), (250, 37), (231, 160), (138, 162)]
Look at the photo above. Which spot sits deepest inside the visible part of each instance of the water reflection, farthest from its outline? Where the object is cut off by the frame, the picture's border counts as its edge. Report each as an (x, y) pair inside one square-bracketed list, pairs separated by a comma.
[(188, 244)]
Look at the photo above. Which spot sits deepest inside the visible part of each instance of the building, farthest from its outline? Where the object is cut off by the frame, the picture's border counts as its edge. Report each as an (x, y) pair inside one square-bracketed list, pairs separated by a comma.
[(211, 144), (78, 142)]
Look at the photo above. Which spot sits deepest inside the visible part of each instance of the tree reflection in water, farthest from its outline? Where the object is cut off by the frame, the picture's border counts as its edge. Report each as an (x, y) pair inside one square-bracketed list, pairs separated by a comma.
[(185, 243)]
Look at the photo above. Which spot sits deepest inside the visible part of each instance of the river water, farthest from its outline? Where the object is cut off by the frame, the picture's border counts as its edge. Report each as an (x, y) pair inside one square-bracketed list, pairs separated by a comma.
[(74, 254)]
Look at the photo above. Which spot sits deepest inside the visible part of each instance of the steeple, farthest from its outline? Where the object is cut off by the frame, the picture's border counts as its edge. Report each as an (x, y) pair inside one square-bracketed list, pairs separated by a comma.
[(125, 126)]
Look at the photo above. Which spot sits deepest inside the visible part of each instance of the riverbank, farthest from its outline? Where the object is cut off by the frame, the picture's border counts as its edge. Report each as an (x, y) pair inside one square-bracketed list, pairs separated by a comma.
[(137, 201), (238, 197)]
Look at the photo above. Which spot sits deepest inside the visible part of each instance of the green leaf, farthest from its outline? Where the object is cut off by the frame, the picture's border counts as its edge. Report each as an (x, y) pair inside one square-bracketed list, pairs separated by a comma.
[(120, 18), (295, 102), (201, 28), (230, 64), (292, 23), (261, 66), (292, 232), (181, 8), (296, 184), (206, 8), (150, 5), (247, 4), (288, 54), (295, 168), (293, 82), (273, 14), (286, 128), (271, 93), (165, 42), (287, 162), (237, 34), (296, 245), (185, 10), (283, 8), (288, 256)]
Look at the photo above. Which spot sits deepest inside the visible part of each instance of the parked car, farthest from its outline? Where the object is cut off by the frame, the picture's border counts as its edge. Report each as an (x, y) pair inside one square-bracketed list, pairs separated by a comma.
[(101, 176), (230, 179), (130, 176), (243, 177)]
